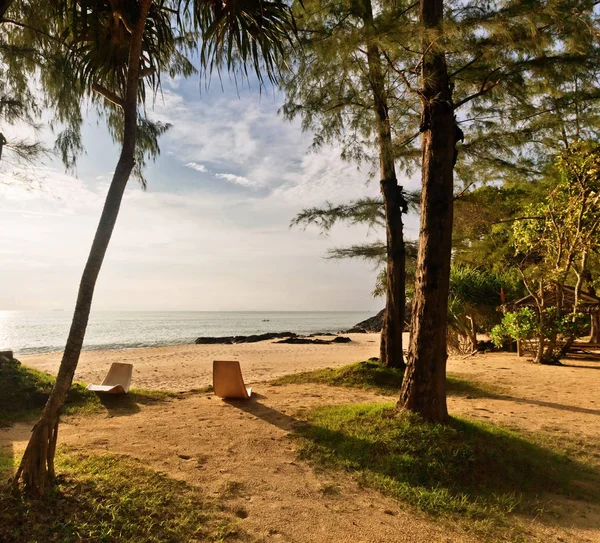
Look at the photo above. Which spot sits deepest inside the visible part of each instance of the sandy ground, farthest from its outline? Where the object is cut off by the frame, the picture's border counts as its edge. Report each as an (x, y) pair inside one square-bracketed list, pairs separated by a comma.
[(185, 367), (240, 452)]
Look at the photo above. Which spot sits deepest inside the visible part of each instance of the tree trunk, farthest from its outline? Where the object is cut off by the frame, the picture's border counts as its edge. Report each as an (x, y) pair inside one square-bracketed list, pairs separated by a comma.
[(472, 333), (4, 5), (37, 466), (424, 387), (391, 353), (595, 328), (594, 317)]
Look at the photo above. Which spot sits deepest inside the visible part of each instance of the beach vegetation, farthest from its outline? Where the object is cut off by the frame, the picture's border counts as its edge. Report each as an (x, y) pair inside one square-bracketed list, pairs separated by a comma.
[(109, 498), (24, 391), (553, 242), (486, 477), (372, 375)]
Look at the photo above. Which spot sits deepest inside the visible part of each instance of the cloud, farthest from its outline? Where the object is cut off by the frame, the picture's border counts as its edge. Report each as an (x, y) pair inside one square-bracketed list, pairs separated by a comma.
[(237, 179), (196, 166), (193, 241)]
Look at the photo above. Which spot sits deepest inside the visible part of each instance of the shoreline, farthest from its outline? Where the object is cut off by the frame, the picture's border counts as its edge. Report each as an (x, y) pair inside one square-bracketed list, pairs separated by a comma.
[(183, 367), (167, 343)]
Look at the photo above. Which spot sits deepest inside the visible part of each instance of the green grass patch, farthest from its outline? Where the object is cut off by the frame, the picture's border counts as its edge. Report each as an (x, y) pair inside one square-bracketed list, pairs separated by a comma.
[(24, 391), (371, 375), (105, 499), (462, 470)]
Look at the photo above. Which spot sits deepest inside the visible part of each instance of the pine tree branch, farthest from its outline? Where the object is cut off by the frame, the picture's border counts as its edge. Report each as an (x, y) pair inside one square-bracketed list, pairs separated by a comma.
[(36, 30), (467, 65), (400, 73), (462, 192), (145, 72), (109, 95), (484, 89)]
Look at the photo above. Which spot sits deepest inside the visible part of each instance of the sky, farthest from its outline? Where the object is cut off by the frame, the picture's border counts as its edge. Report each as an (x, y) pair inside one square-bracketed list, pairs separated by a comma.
[(210, 233)]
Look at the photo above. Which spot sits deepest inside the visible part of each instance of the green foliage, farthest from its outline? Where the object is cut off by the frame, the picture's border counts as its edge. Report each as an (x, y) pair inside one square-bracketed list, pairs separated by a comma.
[(109, 499), (526, 323), (562, 228), (517, 325), (24, 391), (464, 470), (236, 35), (483, 221)]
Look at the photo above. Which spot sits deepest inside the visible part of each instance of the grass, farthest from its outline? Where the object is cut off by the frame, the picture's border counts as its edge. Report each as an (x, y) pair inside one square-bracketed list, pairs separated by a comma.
[(371, 375), (24, 391), (465, 470), (105, 499)]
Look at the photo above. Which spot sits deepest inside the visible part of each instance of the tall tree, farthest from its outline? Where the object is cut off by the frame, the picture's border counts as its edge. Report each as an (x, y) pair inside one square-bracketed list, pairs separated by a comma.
[(120, 47), (345, 90), (487, 67)]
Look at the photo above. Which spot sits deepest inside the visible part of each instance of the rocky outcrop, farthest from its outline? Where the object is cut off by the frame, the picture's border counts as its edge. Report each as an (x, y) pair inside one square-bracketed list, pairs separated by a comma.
[(372, 324), (317, 341), (285, 337), (230, 340)]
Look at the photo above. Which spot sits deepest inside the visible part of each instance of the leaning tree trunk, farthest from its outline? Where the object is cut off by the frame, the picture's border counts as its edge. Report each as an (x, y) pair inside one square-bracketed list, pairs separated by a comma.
[(424, 387), (391, 353), (37, 466)]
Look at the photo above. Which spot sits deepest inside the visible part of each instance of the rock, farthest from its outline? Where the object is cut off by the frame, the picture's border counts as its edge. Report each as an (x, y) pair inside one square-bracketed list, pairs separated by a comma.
[(303, 341), (230, 340), (372, 324), (375, 324), (317, 341)]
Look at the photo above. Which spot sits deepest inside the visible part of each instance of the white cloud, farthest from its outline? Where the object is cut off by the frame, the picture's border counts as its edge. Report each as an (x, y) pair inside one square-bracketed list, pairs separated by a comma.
[(196, 166), (237, 179)]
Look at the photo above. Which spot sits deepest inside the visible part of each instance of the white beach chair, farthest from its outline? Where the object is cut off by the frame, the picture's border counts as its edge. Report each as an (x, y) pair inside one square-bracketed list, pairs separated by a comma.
[(228, 381), (117, 380)]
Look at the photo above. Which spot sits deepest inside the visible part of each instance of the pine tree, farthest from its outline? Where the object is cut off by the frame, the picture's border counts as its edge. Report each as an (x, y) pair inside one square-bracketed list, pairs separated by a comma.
[(345, 90)]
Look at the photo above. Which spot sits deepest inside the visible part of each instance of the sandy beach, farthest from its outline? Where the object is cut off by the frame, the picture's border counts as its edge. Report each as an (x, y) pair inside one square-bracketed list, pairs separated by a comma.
[(529, 396), (185, 367), (212, 444)]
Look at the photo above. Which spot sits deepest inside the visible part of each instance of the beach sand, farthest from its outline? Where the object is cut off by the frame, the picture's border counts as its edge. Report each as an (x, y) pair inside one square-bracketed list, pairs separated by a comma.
[(185, 367)]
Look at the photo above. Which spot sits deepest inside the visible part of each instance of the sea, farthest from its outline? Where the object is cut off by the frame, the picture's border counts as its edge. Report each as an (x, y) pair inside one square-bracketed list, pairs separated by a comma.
[(30, 332)]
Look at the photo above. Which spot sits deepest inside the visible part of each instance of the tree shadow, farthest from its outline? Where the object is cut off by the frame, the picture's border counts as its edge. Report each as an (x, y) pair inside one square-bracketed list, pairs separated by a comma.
[(268, 414), (456, 386), (551, 405), (122, 405), (480, 467), (465, 468)]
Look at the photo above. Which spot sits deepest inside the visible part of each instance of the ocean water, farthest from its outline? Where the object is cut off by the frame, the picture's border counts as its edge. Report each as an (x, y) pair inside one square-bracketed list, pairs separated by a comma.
[(27, 332)]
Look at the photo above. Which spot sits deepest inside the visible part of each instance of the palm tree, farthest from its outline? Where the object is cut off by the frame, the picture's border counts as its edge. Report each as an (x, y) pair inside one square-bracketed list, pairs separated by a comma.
[(119, 46)]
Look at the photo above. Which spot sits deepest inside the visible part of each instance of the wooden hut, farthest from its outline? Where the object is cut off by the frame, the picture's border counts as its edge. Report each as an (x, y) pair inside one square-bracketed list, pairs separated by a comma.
[(588, 303)]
